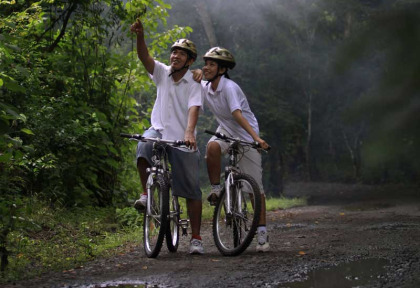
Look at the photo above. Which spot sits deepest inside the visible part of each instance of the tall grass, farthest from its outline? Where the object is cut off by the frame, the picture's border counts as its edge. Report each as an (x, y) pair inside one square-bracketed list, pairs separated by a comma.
[(61, 239), (284, 203)]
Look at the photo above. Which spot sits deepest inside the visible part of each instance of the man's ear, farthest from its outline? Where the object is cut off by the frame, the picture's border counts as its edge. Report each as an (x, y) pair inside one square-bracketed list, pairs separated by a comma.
[(190, 61)]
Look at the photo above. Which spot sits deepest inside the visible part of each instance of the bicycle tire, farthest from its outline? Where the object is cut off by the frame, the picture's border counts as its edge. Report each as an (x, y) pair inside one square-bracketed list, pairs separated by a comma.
[(233, 234), (172, 232), (155, 220)]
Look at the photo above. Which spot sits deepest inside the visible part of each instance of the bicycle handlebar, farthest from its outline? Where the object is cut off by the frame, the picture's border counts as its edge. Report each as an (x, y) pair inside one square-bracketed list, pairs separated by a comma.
[(222, 136), (131, 136), (157, 140)]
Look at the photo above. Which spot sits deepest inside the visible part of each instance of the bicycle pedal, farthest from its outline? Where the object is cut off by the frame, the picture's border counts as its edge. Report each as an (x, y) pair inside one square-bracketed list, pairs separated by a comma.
[(184, 226)]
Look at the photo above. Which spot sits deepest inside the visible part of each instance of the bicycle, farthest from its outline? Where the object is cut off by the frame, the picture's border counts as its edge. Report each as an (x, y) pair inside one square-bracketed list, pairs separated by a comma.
[(237, 211), (162, 216)]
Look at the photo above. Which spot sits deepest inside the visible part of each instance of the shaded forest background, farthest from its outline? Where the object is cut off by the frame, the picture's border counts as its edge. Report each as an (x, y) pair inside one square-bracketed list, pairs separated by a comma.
[(334, 85)]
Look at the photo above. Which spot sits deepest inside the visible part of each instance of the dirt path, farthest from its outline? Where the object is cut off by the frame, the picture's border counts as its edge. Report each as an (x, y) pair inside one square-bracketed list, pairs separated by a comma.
[(370, 235)]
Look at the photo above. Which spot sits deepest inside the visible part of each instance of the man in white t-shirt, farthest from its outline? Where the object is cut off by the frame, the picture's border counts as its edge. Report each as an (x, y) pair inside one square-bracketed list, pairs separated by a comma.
[(174, 117), (225, 99)]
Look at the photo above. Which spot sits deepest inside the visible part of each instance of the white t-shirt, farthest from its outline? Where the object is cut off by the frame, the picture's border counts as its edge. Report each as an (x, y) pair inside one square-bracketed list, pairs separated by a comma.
[(227, 98), (174, 99)]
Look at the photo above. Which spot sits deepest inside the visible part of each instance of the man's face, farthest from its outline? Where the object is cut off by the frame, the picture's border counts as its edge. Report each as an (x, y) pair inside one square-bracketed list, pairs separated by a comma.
[(179, 59)]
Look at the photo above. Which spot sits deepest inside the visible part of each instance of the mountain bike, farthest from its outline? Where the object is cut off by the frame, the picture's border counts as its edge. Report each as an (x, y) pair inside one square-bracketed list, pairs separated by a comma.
[(162, 216), (237, 211)]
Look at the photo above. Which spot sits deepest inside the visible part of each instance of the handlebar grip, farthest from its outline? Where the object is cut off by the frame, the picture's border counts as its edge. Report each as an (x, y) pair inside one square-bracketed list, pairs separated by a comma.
[(125, 135), (258, 146), (210, 132), (180, 143), (217, 134), (131, 136)]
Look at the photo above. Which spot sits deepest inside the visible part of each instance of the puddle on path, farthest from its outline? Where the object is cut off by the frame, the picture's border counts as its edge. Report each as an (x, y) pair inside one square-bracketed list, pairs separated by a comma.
[(368, 206), (124, 284), (346, 275), (292, 226)]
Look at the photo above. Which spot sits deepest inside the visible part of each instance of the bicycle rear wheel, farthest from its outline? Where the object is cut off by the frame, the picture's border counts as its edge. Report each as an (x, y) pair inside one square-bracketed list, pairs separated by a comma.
[(172, 232), (155, 218), (234, 232)]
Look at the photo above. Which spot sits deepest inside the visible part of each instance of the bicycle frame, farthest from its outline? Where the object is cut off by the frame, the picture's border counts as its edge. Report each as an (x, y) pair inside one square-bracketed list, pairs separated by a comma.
[(160, 166), (237, 211), (162, 211)]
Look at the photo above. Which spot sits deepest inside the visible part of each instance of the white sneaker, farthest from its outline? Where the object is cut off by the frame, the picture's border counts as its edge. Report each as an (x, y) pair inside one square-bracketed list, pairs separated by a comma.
[(263, 245), (214, 196), (196, 246), (141, 203)]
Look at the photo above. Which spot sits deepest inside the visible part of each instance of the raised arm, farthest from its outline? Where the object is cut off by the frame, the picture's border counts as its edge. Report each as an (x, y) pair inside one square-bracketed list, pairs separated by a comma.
[(240, 119), (142, 51)]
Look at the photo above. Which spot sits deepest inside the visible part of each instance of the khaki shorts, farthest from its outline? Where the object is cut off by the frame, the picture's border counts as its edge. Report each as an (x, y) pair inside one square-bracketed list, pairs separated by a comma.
[(250, 163)]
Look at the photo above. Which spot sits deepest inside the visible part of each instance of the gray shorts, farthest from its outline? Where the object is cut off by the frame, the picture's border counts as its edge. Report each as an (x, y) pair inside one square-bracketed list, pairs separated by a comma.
[(184, 166), (250, 163)]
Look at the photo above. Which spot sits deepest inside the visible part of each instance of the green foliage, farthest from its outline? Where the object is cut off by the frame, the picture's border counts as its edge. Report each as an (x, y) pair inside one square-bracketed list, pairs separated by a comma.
[(129, 217), (69, 90), (70, 82), (73, 236)]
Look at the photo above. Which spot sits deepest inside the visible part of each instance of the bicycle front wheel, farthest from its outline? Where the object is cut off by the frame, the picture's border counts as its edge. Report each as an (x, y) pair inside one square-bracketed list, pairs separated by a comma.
[(233, 232), (172, 232), (155, 217)]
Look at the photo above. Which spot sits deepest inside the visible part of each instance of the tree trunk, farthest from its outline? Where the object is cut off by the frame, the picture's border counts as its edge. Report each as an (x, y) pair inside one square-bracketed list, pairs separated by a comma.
[(201, 7), (309, 136), (275, 188), (347, 29), (354, 154)]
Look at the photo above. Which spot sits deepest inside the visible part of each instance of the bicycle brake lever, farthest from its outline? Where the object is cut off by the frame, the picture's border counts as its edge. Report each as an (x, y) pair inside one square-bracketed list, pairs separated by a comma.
[(258, 147)]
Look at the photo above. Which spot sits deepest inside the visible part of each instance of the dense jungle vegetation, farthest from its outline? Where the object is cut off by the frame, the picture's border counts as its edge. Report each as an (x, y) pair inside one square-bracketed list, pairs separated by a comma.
[(334, 85)]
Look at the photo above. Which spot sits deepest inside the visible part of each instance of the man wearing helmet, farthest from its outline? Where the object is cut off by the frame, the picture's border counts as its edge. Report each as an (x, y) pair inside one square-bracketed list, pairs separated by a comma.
[(174, 116), (228, 103)]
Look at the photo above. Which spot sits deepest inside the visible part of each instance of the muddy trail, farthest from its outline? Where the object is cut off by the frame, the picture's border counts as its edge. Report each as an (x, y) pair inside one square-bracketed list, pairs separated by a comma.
[(348, 236)]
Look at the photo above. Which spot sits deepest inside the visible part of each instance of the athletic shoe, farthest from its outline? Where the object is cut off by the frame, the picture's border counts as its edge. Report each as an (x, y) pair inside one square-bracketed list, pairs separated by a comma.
[(141, 203), (262, 245), (214, 196), (196, 246)]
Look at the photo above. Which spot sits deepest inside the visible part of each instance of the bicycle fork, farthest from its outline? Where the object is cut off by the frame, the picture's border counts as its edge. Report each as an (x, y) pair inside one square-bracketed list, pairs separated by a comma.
[(229, 209), (153, 172), (149, 184)]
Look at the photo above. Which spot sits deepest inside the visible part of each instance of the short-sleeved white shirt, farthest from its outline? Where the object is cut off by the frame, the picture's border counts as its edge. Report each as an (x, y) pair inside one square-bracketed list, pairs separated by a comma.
[(174, 99), (227, 98)]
